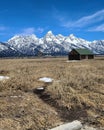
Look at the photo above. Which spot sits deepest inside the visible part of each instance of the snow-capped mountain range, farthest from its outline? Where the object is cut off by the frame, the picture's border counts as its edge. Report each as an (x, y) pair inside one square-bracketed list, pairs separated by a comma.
[(50, 44)]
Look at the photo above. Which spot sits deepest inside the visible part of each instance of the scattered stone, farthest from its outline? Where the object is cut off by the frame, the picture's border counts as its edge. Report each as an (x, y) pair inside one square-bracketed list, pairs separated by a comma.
[(39, 90), (75, 125)]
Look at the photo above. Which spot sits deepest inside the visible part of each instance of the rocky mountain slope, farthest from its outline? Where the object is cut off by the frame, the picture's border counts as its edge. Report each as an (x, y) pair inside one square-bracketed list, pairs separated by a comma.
[(7, 51), (50, 44)]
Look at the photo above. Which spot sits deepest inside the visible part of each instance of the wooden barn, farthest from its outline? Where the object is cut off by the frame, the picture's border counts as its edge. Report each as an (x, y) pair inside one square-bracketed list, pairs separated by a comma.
[(79, 54)]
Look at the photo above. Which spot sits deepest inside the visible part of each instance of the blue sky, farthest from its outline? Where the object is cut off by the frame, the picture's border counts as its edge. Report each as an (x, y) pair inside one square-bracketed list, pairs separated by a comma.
[(83, 18)]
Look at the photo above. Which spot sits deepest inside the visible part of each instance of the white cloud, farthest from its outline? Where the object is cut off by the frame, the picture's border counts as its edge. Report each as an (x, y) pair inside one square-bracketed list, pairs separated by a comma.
[(60, 16), (99, 28), (31, 30), (82, 22), (3, 28), (40, 30), (28, 31)]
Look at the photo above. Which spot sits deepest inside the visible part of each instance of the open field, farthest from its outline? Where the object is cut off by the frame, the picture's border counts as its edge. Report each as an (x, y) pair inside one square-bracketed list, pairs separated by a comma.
[(77, 92)]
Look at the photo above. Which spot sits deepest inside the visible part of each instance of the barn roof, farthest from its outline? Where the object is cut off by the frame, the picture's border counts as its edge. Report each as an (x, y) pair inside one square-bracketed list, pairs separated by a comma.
[(84, 51)]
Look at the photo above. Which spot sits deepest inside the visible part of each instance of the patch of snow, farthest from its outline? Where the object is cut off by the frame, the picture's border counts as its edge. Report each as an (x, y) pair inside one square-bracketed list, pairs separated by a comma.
[(72, 60), (40, 88), (4, 77), (14, 96), (75, 125), (46, 79)]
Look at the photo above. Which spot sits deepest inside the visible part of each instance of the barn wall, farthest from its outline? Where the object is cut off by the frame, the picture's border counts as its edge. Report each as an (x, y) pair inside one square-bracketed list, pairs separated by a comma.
[(90, 56), (74, 57), (83, 56)]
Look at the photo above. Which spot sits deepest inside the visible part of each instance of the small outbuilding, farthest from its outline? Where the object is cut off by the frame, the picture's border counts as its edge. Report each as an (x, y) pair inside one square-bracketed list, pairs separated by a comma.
[(79, 54)]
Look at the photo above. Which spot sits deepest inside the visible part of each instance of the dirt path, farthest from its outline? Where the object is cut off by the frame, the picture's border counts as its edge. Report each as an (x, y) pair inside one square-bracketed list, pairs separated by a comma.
[(63, 112)]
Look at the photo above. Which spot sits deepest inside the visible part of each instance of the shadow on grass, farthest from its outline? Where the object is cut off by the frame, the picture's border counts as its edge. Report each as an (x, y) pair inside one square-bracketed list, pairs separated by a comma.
[(63, 112)]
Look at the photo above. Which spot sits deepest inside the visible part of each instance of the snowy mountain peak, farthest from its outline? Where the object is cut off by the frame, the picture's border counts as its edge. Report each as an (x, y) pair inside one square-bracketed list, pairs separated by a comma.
[(71, 35), (15, 37), (49, 32), (49, 44), (60, 35), (33, 36), (49, 37), (23, 37)]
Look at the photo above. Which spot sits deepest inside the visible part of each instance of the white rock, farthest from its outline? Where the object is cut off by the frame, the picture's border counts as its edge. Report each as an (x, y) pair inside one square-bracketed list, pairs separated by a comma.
[(75, 125), (4, 77)]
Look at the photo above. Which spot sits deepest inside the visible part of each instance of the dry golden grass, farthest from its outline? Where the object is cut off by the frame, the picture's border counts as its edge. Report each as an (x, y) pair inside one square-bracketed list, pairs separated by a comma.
[(77, 92)]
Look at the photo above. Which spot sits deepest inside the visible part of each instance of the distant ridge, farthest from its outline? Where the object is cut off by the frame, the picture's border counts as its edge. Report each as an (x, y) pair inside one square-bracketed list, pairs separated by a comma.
[(50, 44)]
